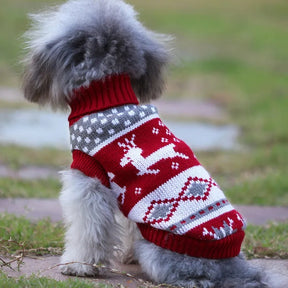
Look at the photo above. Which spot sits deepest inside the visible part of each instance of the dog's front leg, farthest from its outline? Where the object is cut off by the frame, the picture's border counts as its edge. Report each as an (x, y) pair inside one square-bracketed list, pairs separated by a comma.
[(91, 231)]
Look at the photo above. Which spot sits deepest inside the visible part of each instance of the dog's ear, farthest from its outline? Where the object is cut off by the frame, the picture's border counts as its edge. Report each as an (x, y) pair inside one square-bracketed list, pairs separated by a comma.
[(151, 83), (48, 70), (37, 78)]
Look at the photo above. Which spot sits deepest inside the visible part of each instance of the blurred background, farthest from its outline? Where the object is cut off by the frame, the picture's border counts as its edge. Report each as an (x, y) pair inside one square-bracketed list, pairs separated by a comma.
[(227, 96), (228, 78)]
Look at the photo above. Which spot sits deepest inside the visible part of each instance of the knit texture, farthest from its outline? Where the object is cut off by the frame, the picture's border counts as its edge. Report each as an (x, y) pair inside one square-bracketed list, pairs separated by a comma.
[(158, 181)]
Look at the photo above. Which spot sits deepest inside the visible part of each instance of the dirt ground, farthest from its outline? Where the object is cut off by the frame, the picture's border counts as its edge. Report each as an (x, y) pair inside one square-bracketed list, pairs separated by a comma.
[(127, 275), (130, 275)]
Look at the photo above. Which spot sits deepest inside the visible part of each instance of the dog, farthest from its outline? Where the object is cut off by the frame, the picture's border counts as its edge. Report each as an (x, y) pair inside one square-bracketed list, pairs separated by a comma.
[(95, 58)]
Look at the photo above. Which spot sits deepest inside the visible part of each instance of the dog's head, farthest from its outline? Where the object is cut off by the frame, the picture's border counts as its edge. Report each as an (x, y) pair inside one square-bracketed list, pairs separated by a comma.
[(86, 40)]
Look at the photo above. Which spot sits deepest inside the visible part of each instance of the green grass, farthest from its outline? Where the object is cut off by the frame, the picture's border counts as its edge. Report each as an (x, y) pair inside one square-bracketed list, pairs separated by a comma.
[(34, 281), (40, 188), (267, 241), (260, 188), (16, 157), (246, 178), (13, 23), (18, 233)]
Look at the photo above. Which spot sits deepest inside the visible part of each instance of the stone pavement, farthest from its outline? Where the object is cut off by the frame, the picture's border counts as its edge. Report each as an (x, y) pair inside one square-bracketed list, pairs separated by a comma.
[(42, 208), (126, 275), (130, 275)]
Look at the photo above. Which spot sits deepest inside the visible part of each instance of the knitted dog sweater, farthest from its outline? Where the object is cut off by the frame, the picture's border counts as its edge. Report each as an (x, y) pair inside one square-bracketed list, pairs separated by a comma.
[(158, 181)]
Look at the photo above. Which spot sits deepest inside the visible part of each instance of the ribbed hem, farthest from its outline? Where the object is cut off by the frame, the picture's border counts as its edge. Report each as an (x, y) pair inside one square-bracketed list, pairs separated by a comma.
[(115, 90), (89, 166), (227, 247)]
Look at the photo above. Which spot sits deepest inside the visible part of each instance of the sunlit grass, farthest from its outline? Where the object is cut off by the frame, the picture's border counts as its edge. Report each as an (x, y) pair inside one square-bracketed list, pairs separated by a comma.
[(38, 188), (18, 233), (269, 241), (16, 157)]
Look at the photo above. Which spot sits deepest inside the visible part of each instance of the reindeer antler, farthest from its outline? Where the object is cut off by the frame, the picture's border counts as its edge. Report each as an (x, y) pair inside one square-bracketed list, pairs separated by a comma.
[(129, 144)]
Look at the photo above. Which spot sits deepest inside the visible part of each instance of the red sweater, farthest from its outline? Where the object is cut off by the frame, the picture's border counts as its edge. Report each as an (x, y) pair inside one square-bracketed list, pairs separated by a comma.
[(155, 176)]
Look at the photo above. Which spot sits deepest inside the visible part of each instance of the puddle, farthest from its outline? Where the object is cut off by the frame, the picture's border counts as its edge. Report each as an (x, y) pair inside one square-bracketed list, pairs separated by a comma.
[(200, 136), (191, 108), (34, 128)]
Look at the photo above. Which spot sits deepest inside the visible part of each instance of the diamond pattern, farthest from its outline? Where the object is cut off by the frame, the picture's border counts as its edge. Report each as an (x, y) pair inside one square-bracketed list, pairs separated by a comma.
[(161, 211), (195, 189)]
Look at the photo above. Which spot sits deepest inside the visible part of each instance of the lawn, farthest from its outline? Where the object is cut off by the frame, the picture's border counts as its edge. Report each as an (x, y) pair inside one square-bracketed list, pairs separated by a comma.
[(233, 54)]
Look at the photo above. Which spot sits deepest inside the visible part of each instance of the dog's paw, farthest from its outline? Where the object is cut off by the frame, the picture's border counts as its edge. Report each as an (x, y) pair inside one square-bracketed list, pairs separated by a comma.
[(79, 269)]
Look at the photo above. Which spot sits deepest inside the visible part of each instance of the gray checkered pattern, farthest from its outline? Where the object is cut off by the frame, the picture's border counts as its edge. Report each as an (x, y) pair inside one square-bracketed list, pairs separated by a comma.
[(92, 132)]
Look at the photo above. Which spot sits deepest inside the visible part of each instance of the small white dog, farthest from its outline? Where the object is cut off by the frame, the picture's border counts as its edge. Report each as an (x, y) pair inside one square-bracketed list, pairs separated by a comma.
[(96, 58)]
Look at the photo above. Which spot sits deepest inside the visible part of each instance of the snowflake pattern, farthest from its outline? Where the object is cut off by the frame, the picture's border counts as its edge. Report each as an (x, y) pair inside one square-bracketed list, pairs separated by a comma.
[(105, 126), (155, 131), (175, 165), (168, 132), (138, 191)]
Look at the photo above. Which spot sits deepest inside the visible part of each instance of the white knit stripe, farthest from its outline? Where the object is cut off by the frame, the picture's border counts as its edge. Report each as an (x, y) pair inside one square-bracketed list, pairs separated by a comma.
[(185, 228), (122, 133), (185, 210), (171, 189), (188, 208)]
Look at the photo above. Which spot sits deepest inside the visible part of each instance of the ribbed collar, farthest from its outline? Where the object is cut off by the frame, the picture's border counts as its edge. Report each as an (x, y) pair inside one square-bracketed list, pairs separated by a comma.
[(110, 92)]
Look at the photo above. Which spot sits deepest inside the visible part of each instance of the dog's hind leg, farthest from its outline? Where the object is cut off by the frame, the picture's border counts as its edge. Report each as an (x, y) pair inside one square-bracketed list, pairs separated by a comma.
[(130, 234), (91, 231)]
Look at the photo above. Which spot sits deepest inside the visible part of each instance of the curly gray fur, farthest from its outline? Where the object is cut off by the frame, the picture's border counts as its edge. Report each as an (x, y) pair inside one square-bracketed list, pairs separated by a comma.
[(85, 40), (164, 266)]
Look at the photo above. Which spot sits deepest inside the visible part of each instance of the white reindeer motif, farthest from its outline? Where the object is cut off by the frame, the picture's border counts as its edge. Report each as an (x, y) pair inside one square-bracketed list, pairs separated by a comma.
[(221, 232), (120, 191), (132, 154)]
